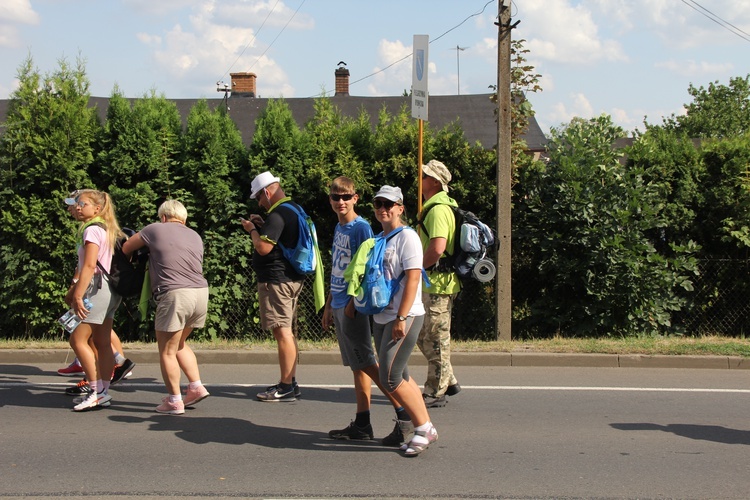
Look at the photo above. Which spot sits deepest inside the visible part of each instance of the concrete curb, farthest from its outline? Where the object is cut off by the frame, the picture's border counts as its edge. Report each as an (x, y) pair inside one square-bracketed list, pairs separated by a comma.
[(509, 359)]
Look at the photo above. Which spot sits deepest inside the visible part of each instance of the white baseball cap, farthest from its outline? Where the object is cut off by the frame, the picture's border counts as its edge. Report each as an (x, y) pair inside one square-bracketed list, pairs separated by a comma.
[(261, 182)]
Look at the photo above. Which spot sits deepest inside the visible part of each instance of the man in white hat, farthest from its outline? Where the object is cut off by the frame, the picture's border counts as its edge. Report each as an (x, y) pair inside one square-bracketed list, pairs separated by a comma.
[(437, 227), (279, 285)]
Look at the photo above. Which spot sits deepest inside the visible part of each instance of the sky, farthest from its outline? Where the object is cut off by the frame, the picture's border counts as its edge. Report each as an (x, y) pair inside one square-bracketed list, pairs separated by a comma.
[(631, 59)]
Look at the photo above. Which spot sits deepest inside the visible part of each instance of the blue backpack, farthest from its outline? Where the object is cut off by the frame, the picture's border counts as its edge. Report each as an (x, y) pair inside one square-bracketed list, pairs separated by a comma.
[(303, 257), (375, 290)]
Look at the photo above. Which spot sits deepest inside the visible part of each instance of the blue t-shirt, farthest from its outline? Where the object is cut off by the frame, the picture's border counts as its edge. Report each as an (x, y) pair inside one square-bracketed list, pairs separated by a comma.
[(346, 240)]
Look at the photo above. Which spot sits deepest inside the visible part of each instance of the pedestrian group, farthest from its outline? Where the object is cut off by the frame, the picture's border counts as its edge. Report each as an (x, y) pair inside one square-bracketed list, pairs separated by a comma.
[(414, 316)]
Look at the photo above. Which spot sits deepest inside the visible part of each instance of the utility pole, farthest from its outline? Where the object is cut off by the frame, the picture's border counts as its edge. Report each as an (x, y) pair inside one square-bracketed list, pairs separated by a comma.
[(458, 68), (503, 304)]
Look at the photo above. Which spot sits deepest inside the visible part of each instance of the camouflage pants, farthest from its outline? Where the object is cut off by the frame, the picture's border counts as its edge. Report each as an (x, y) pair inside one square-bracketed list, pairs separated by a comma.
[(435, 343)]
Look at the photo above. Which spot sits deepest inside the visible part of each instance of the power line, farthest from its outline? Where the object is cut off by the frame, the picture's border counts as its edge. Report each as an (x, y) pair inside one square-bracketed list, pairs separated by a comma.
[(409, 55), (255, 35), (718, 20)]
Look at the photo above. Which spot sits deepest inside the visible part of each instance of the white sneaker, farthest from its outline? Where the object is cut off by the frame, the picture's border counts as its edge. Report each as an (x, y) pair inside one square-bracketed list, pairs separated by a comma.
[(80, 399), (92, 400)]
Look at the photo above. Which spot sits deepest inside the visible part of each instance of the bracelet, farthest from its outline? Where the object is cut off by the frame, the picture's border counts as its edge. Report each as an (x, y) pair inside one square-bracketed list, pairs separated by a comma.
[(74, 281), (255, 229)]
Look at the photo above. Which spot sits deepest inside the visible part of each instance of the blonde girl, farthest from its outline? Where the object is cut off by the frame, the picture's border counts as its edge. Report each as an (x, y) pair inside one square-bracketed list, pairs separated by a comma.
[(95, 242)]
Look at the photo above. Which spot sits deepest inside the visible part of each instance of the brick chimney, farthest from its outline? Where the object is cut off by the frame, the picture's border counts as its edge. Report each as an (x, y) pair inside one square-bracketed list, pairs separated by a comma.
[(342, 80), (243, 84)]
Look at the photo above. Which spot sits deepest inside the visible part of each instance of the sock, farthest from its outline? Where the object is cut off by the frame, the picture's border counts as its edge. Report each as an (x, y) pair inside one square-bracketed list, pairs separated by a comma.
[(95, 385), (294, 381), (362, 419), (76, 362), (194, 385), (402, 415), (417, 439), (119, 358), (104, 386), (174, 398)]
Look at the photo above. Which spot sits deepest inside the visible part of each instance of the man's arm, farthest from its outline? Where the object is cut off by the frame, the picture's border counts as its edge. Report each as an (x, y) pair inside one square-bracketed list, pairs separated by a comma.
[(433, 252)]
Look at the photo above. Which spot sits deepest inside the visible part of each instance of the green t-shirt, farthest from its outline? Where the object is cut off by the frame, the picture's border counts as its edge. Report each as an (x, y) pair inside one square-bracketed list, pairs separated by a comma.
[(440, 223)]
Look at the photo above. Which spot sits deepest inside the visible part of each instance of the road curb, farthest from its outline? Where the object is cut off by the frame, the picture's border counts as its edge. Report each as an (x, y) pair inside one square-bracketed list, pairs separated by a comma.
[(507, 359)]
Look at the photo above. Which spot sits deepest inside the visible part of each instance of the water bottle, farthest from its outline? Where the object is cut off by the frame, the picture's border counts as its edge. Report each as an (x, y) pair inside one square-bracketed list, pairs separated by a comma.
[(70, 320)]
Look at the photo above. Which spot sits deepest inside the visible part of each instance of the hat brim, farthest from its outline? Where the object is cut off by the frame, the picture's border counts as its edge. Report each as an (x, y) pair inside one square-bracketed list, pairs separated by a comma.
[(273, 180)]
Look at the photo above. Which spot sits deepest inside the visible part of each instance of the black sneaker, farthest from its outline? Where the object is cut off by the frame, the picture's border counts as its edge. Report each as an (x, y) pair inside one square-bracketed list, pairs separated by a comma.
[(276, 393), (453, 389), (352, 431), (82, 388), (433, 402), (400, 434), (297, 392), (121, 371)]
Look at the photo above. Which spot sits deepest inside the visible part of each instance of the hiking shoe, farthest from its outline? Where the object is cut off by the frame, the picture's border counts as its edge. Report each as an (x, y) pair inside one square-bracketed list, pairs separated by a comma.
[(414, 448), (81, 388), (352, 431), (176, 408), (433, 402), (72, 370), (122, 371), (194, 396), (453, 389), (92, 400), (275, 393), (401, 433)]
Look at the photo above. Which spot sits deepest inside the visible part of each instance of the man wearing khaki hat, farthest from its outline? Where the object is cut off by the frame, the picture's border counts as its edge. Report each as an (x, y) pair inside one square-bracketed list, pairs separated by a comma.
[(437, 227)]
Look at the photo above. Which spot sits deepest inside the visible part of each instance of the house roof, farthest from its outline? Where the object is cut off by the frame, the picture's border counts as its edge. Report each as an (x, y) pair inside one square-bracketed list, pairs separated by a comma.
[(474, 113)]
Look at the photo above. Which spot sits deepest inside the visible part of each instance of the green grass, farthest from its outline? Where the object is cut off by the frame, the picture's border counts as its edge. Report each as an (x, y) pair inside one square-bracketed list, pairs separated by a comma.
[(697, 346)]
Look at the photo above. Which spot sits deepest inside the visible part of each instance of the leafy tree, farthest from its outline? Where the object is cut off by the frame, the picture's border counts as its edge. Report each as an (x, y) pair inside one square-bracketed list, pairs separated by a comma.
[(582, 221), (719, 111), (45, 149)]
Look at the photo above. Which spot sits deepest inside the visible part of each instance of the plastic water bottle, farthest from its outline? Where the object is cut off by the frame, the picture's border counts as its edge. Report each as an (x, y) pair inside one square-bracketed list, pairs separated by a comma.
[(70, 320)]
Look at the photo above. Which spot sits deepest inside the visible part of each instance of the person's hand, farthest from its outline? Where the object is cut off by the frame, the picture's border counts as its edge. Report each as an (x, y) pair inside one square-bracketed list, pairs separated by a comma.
[(257, 220), (79, 308), (399, 329), (349, 310), (247, 225), (327, 319)]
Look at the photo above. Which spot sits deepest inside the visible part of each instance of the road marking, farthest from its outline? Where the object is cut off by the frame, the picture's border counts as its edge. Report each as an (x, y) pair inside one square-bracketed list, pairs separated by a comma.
[(470, 387)]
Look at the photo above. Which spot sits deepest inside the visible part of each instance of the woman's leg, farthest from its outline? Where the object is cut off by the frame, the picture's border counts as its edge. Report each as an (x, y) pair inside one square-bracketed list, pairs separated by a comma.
[(169, 343), (79, 342), (186, 358), (105, 357)]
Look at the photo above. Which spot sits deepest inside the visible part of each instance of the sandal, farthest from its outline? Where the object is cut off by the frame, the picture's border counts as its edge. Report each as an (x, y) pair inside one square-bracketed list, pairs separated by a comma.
[(413, 449)]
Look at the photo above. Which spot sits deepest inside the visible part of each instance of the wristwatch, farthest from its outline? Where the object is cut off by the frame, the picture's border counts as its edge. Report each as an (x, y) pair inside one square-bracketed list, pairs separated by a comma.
[(401, 318)]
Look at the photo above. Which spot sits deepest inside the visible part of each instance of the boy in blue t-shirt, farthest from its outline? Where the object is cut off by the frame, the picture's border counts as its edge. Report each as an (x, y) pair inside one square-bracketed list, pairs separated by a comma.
[(353, 328)]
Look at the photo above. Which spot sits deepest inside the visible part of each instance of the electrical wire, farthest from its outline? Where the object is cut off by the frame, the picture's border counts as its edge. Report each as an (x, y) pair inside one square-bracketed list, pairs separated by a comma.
[(409, 55), (718, 20), (255, 35)]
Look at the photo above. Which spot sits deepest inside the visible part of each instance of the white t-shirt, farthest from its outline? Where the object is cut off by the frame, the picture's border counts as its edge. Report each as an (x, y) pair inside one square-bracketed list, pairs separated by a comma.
[(403, 251)]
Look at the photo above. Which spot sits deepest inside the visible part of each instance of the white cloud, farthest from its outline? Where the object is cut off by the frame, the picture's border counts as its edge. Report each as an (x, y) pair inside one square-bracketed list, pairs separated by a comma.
[(696, 68), (580, 107), (566, 33), (12, 14)]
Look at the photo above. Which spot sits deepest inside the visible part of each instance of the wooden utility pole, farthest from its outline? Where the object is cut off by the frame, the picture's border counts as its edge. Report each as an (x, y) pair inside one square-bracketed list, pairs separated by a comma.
[(504, 168)]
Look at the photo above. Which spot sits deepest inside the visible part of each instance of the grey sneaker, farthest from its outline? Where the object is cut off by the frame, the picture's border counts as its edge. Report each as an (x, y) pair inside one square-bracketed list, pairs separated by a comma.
[(401, 433), (276, 394)]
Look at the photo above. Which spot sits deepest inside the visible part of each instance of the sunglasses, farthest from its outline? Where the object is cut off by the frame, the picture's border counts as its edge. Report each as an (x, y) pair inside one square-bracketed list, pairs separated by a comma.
[(339, 197), (387, 204)]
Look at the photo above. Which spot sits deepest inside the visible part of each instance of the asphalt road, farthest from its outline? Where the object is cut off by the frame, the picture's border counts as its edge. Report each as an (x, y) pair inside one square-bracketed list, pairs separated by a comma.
[(511, 433)]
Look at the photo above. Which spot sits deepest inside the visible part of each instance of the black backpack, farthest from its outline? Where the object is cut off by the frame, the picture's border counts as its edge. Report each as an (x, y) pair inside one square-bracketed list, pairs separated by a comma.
[(473, 245), (126, 274)]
